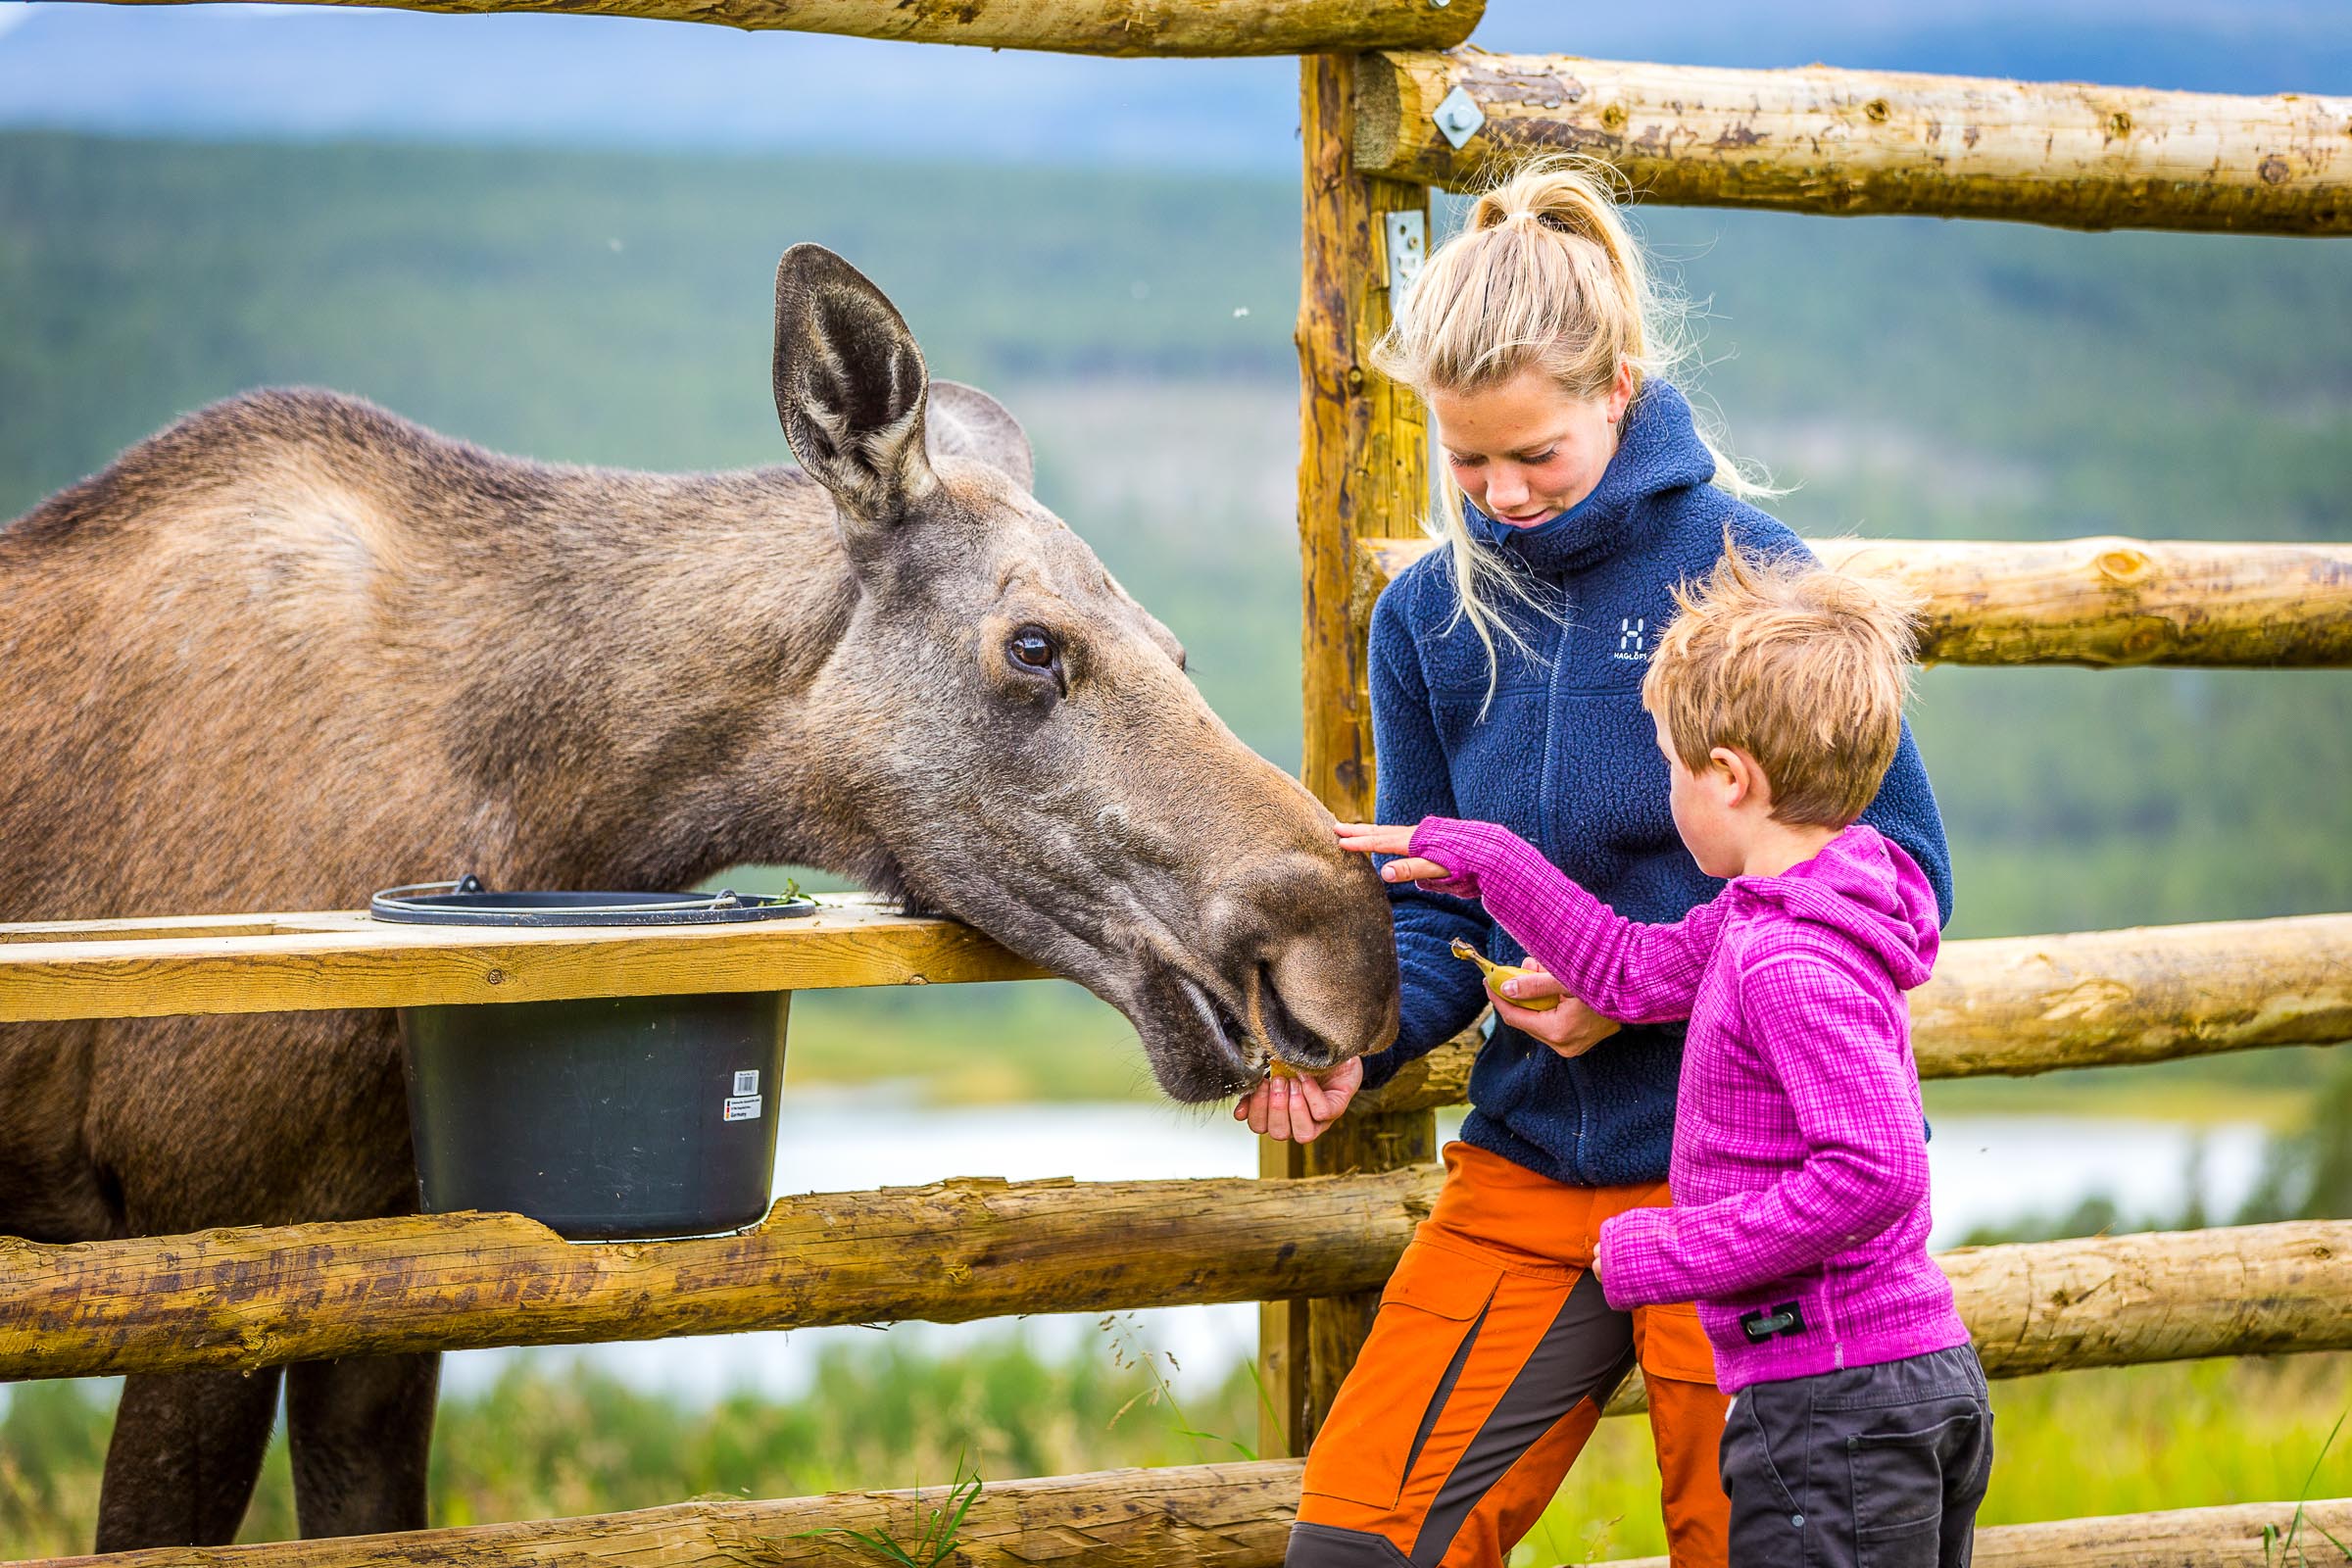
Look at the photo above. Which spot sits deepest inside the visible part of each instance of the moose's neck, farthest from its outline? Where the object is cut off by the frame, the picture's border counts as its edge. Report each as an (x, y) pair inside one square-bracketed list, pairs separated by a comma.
[(639, 711)]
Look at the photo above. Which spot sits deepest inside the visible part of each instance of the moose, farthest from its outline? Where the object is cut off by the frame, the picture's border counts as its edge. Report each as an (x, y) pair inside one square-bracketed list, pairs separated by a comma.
[(293, 648)]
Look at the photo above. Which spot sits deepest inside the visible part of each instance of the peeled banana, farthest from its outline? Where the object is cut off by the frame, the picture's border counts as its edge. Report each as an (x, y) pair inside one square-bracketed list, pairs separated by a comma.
[(1497, 974)]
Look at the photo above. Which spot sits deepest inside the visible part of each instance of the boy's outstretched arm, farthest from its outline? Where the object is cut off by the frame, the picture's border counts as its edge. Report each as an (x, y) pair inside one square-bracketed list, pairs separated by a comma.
[(1843, 1060), (1622, 968)]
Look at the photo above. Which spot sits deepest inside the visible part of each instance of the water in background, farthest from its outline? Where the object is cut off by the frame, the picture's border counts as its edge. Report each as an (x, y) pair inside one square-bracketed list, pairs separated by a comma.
[(1987, 1170)]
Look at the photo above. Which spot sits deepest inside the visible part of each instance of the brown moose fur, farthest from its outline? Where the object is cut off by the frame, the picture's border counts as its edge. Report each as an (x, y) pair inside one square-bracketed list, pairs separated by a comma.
[(293, 648)]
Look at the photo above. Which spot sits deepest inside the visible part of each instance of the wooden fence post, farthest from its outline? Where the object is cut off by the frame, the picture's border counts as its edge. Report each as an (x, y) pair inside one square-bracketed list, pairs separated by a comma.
[(1363, 473)]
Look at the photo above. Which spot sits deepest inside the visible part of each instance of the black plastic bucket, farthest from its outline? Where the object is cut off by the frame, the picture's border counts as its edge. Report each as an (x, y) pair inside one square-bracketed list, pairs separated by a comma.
[(604, 1118)]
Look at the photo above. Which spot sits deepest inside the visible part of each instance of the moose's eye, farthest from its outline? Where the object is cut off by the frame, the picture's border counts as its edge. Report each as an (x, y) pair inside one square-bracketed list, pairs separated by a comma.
[(1035, 647)]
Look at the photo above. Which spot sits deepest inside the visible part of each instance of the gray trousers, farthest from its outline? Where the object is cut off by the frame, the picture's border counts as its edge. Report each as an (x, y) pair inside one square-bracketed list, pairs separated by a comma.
[(1873, 1467)]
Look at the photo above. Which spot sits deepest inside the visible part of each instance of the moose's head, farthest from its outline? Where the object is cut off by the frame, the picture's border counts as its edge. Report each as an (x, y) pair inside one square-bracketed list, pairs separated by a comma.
[(1016, 742)]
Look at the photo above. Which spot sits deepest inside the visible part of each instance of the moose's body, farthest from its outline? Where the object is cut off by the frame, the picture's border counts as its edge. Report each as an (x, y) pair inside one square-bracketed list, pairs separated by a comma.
[(293, 648)]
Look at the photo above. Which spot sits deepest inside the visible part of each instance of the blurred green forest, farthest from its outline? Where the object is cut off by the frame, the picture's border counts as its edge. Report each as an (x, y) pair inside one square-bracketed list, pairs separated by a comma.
[(1904, 377)]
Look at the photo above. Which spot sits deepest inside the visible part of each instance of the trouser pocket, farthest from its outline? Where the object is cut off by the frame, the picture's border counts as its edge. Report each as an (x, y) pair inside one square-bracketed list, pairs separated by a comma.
[(1424, 1332), (1913, 1474)]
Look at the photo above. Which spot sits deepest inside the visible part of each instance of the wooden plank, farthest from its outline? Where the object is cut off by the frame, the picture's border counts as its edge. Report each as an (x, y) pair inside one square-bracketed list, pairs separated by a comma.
[(1852, 142), (1363, 476), (2245, 1535), (2102, 602), (1192, 1516), (2015, 1007), (302, 963), (1122, 27), (946, 1253)]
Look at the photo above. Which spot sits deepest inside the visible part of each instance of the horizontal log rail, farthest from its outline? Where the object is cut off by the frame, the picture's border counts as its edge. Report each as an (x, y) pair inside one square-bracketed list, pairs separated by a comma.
[(302, 962), (1126, 28), (1847, 143), (944, 1253), (2245, 1535), (2104, 602), (1191, 1516), (2019, 1005), (1183, 1516), (958, 1250)]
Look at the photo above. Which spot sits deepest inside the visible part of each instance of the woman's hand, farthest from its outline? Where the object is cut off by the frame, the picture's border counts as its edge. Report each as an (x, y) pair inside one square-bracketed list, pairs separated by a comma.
[(1299, 1108), (1568, 1026), (1370, 838)]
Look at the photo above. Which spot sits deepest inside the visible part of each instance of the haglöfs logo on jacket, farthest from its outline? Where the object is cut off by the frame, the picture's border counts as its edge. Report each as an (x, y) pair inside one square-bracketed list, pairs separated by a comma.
[(1633, 639)]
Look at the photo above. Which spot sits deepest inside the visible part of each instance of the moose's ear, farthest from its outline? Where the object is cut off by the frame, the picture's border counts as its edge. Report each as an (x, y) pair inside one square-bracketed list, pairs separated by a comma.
[(849, 386), (967, 422)]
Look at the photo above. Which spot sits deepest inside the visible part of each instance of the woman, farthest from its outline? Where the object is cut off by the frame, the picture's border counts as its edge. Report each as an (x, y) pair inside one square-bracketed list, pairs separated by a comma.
[(1506, 674)]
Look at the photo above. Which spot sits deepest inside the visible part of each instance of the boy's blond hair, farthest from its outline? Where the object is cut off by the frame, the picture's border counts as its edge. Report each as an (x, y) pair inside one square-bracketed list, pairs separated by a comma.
[(1803, 669)]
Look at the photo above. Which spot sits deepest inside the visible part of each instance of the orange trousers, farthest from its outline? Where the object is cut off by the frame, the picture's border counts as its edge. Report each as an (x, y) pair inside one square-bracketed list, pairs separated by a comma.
[(1487, 1370)]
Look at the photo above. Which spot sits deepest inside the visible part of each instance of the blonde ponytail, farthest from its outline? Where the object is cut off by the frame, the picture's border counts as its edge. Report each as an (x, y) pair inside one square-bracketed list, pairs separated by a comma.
[(1544, 274)]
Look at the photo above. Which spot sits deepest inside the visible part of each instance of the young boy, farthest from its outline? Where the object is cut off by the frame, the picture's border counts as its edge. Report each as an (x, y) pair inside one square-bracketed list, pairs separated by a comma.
[(1861, 1431)]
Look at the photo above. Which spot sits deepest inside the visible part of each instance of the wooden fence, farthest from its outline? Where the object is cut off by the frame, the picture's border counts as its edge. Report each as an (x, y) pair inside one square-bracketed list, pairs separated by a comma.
[(1314, 1242)]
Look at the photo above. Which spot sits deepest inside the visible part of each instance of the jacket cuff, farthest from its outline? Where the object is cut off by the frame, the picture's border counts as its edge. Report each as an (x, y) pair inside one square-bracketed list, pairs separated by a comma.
[(1636, 1275)]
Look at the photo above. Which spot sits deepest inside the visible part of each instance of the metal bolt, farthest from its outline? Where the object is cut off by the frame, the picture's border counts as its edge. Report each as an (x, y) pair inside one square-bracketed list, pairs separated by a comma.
[(1458, 117)]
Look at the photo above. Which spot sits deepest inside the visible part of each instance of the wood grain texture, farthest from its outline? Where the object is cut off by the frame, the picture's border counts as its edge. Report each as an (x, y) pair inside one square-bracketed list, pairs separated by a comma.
[(950, 1253), (1124, 27), (2246, 1535), (2102, 602), (958, 1250), (2014, 1007), (302, 962), (2167, 1296), (1364, 475), (1852, 142), (1191, 1516)]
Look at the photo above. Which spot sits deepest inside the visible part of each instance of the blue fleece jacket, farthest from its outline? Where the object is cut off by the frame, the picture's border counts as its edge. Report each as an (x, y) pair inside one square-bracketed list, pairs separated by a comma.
[(1566, 759)]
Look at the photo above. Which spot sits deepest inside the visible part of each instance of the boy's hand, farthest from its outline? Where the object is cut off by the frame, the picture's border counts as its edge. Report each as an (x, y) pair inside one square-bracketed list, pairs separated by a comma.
[(1370, 838), (1299, 1108), (1568, 1027)]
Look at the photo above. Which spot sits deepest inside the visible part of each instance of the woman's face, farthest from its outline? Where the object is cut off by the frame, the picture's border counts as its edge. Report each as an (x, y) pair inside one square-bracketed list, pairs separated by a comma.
[(1523, 450)]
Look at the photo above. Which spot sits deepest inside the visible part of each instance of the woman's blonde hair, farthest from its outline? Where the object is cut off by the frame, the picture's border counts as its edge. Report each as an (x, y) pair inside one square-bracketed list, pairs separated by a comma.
[(1544, 274), (1803, 669)]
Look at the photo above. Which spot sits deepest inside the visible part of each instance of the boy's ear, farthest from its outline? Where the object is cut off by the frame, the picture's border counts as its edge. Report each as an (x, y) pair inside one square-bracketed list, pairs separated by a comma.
[(1742, 780)]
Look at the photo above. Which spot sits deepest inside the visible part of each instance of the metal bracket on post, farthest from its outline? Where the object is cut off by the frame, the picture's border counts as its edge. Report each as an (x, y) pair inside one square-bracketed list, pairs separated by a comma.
[(1407, 249)]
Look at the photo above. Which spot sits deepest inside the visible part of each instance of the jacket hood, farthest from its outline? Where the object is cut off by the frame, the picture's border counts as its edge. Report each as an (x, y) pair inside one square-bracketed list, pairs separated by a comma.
[(1868, 890), (1659, 450)]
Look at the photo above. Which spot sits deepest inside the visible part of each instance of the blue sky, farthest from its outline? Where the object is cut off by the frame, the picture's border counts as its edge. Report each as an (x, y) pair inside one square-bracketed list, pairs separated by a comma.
[(331, 71)]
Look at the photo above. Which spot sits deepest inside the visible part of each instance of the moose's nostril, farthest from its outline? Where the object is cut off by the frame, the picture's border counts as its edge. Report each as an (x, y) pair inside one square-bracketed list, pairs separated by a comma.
[(1281, 1031)]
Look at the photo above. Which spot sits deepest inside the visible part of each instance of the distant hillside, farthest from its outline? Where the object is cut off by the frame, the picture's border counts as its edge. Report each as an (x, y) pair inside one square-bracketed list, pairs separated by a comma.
[(1907, 376)]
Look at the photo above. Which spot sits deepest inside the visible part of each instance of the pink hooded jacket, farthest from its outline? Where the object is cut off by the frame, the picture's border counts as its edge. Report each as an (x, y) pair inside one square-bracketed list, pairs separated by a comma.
[(1800, 1165)]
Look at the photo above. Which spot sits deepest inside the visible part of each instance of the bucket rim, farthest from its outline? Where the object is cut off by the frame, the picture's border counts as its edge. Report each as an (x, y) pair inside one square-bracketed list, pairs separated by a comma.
[(466, 902)]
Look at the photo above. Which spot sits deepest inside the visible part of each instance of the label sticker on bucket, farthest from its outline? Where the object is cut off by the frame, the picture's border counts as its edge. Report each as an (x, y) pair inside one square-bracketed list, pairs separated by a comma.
[(747, 1083), (743, 1107)]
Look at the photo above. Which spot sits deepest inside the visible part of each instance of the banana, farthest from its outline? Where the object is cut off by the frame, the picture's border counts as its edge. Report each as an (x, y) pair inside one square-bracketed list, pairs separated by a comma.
[(1497, 974)]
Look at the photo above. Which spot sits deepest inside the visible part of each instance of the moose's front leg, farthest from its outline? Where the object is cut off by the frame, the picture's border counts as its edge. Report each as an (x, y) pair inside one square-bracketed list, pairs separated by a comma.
[(186, 1450)]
